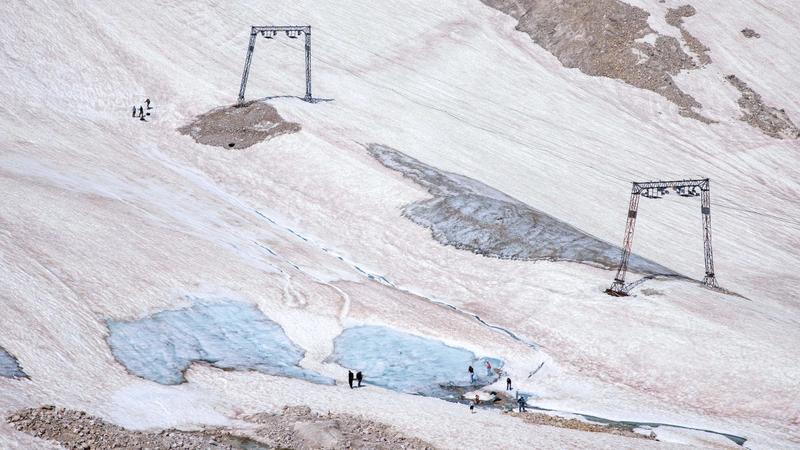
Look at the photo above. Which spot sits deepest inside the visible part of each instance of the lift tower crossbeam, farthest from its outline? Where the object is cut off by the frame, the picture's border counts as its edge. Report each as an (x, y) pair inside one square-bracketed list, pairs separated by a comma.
[(269, 32), (657, 189)]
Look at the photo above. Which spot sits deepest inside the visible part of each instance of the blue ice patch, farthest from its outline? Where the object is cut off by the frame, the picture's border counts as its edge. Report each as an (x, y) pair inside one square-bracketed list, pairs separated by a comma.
[(228, 335), (408, 363)]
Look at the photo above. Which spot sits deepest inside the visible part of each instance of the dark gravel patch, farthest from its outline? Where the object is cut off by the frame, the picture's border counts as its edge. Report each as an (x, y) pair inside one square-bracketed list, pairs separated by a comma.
[(602, 38), (770, 120), (238, 127), (750, 33), (78, 430), (300, 428)]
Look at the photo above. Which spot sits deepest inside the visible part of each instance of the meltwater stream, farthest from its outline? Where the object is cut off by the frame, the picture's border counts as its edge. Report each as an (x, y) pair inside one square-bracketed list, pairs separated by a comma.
[(415, 365)]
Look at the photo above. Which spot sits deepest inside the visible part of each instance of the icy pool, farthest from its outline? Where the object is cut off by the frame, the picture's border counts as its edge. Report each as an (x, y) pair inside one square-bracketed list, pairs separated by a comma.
[(411, 364), (226, 334), (9, 367)]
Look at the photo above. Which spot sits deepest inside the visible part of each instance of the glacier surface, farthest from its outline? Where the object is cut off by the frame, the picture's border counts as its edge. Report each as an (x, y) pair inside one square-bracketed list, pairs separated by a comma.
[(411, 364), (227, 335)]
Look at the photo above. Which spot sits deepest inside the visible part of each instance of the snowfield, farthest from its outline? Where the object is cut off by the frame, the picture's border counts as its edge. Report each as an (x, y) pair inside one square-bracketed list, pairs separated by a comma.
[(106, 219)]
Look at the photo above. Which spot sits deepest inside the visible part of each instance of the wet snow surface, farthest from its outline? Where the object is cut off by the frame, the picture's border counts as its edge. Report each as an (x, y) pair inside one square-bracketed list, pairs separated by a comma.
[(408, 363), (468, 214), (226, 334), (9, 367)]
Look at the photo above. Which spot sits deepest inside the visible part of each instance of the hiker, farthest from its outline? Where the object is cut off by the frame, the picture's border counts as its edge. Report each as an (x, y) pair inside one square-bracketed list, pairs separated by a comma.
[(141, 113), (359, 377), (471, 374), (350, 378), (508, 384), (133, 114), (488, 369), (522, 404), (477, 400), (147, 102)]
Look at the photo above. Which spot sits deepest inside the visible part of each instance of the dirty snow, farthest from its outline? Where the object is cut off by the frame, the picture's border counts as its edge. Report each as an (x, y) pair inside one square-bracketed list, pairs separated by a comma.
[(470, 215), (104, 216), (9, 367)]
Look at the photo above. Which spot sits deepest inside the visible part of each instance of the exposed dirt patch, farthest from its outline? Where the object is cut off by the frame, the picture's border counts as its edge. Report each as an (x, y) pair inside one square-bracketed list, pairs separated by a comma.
[(675, 17), (296, 428), (237, 127), (78, 430), (750, 33), (608, 38), (574, 424), (300, 428), (771, 121)]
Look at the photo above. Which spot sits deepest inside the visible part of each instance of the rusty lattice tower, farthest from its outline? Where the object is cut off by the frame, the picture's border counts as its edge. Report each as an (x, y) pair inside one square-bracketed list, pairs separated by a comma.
[(270, 32), (657, 189)]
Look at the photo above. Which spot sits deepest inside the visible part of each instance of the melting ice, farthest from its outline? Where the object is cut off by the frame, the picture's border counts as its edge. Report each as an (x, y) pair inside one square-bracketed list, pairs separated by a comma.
[(9, 366), (408, 363), (227, 334)]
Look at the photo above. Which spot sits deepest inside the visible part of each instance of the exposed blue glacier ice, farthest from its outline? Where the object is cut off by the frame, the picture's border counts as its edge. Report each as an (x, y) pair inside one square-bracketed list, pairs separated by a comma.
[(408, 363), (9, 367), (226, 334)]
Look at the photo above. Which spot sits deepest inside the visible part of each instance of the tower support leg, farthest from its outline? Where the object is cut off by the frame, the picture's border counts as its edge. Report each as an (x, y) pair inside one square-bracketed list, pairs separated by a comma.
[(247, 60), (618, 286), (308, 97), (710, 279)]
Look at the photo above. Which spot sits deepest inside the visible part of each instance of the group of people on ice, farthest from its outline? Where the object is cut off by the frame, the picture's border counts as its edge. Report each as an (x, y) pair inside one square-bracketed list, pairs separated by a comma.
[(358, 378), (521, 399), (471, 371), (141, 110)]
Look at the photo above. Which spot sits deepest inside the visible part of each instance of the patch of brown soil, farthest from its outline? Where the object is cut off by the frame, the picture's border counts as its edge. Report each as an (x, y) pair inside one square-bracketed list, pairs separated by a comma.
[(603, 38), (296, 428), (771, 121), (750, 33), (78, 430), (300, 428), (574, 424), (675, 17), (237, 127)]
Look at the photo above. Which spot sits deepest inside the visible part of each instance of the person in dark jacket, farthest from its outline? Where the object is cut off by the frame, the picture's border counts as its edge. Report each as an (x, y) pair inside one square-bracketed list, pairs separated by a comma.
[(133, 114), (147, 102), (141, 113), (508, 384), (359, 377), (471, 374), (350, 378), (522, 403)]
